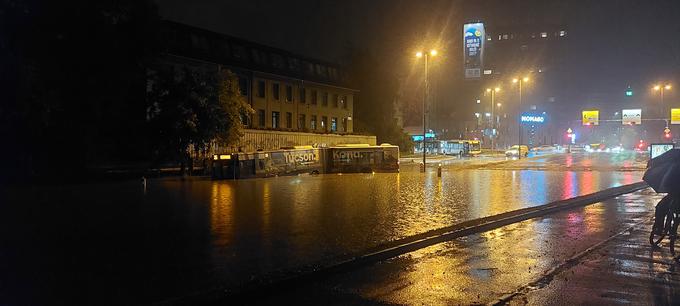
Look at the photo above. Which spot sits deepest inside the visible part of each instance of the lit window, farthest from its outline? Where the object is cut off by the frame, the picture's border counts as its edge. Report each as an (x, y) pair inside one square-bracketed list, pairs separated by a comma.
[(563, 33), (500, 36), (505, 36), (488, 37), (544, 34)]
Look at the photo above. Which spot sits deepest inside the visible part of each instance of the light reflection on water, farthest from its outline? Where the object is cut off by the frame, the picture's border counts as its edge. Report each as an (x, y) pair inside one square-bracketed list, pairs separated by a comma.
[(290, 221)]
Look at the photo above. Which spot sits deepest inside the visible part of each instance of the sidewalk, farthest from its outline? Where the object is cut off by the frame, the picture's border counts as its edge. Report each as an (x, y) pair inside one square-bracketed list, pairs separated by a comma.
[(625, 270)]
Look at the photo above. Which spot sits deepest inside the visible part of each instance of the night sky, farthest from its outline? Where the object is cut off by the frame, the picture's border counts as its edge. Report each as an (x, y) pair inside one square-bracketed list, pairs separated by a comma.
[(613, 43)]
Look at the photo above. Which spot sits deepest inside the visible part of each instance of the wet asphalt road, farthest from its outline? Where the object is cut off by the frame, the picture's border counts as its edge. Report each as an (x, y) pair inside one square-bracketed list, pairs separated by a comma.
[(84, 242), (483, 268)]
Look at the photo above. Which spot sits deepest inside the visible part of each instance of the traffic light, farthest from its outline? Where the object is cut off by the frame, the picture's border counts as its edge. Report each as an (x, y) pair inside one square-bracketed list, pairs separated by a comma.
[(629, 92), (667, 133)]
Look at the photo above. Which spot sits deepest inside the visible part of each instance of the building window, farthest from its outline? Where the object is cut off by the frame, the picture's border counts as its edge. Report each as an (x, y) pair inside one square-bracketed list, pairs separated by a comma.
[(344, 102), (315, 97), (301, 121), (334, 124), (260, 117), (276, 119), (293, 64), (239, 52), (289, 120), (303, 95), (243, 86), (500, 36), (324, 101), (344, 124), (312, 122), (505, 36), (289, 93), (544, 34), (335, 100), (324, 121), (261, 89), (563, 33), (277, 60), (275, 91)]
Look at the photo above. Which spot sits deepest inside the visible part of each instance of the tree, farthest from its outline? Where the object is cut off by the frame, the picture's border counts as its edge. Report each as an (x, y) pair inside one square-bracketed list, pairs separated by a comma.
[(192, 109), (374, 106), (75, 75)]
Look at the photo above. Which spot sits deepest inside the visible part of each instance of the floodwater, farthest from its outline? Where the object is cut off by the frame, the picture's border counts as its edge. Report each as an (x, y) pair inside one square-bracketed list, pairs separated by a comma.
[(181, 237)]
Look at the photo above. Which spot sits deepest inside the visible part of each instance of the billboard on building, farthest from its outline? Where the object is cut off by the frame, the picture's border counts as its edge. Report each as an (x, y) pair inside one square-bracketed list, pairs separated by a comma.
[(591, 117), (675, 115), (473, 48), (631, 116), (532, 118)]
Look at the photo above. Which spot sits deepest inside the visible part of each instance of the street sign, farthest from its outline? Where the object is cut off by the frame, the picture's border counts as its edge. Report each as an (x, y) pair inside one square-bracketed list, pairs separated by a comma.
[(631, 116), (675, 115), (591, 117)]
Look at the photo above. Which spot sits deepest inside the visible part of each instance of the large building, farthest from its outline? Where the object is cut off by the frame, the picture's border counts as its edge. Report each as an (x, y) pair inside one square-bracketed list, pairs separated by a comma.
[(538, 51), (288, 92)]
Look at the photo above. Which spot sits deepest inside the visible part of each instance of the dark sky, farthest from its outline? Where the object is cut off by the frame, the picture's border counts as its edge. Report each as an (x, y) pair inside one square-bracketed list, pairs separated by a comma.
[(613, 43)]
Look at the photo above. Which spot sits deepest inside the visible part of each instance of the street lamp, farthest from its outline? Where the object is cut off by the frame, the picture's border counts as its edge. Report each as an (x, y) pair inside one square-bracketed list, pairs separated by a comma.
[(519, 110), (493, 102), (420, 54), (661, 89)]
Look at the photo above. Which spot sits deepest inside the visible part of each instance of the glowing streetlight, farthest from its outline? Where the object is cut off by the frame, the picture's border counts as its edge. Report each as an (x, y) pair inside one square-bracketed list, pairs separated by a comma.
[(661, 88), (519, 123), (493, 102), (420, 54)]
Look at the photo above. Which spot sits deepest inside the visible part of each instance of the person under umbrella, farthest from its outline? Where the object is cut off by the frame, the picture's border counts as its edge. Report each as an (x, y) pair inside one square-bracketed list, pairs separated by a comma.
[(663, 175)]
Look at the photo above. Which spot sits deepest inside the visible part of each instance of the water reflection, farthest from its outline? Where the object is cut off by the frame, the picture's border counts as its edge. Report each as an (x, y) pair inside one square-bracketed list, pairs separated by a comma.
[(292, 221)]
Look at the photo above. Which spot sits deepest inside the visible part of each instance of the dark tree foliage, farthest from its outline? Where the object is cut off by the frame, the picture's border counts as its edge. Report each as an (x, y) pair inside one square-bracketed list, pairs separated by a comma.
[(374, 106), (192, 108), (73, 82)]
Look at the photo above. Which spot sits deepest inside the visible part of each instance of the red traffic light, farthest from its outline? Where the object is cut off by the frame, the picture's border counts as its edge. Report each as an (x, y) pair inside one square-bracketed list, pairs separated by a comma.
[(668, 135)]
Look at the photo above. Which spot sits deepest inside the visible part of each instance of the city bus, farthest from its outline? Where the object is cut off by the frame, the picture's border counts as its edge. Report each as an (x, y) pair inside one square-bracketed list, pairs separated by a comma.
[(460, 147), (362, 158), (352, 158)]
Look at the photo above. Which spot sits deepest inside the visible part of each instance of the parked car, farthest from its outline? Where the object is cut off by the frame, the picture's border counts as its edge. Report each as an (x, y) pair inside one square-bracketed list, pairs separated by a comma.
[(516, 150)]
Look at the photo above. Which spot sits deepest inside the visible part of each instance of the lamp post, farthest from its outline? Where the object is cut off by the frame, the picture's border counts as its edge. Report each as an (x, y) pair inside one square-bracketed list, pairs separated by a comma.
[(661, 89), (420, 54), (519, 110), (493, 119)]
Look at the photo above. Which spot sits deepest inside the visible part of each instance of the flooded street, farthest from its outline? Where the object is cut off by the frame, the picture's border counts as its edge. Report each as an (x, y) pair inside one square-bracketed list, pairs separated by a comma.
[(182, 237)]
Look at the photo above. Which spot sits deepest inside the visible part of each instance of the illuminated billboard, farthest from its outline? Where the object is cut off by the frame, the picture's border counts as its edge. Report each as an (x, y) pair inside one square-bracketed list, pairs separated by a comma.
[(631, 116), (675, 115), (591, 117), (532, 118), (473, 48)]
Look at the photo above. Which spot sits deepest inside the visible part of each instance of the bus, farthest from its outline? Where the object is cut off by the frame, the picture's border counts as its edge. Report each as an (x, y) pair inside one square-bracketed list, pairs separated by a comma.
[(460, 147), (362, 158), (351, 158)]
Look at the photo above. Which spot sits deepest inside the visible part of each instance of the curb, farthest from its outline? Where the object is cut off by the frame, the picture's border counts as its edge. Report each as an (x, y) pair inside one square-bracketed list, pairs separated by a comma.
[(402, 246)]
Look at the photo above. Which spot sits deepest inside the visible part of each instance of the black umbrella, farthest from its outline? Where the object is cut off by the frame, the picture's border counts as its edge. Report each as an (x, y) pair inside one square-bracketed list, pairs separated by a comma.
[(663, 172)]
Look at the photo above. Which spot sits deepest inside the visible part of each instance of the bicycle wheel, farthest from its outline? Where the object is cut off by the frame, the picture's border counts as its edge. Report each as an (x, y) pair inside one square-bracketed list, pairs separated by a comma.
[(673, 233), (656, 239)]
